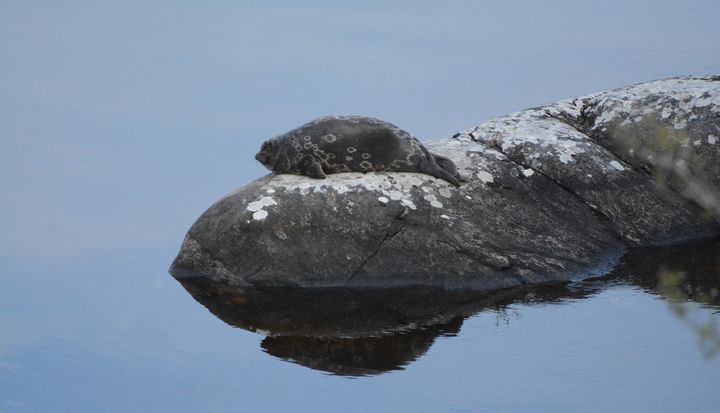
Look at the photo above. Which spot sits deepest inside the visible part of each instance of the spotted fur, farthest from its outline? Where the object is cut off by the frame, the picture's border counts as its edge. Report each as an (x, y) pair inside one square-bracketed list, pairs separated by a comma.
[(335, 144)]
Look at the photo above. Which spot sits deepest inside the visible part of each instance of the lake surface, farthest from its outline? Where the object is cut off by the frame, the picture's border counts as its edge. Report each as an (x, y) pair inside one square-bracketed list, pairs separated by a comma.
[(120, 123)]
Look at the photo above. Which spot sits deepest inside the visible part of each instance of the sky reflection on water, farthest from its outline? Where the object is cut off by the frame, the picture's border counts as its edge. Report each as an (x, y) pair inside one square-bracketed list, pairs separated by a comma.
[(122, 122)]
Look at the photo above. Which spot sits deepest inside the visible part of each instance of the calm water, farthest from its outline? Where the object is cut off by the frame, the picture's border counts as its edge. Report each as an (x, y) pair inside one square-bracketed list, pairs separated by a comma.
[(121, 123)]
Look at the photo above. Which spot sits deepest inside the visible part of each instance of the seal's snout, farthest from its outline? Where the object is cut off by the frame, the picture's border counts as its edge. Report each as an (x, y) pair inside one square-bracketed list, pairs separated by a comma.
[(266, 154), (262, 157)]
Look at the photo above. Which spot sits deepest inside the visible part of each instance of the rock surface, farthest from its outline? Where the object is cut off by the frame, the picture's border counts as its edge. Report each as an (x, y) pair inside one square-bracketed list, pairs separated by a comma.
[(553, 193)]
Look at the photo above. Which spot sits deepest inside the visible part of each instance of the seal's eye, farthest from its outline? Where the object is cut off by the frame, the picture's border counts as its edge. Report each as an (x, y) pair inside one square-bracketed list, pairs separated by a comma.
[(268, 146)]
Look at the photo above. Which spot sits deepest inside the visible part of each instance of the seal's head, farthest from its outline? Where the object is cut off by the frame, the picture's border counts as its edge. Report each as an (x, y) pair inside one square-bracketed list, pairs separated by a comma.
[(278, 154), (268, 154)]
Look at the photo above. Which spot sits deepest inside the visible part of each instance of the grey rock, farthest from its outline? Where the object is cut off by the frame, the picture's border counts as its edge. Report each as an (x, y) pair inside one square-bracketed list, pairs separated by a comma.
[(553, 193)]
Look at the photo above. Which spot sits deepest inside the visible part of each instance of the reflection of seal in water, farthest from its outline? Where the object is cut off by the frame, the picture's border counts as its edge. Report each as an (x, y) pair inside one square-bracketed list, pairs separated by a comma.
[(336, 144)]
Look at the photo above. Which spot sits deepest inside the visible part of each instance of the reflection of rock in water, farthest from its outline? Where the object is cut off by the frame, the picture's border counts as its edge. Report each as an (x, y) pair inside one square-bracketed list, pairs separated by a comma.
[(357, 332), (360, 355), (689, 271), (371, 331), (684, 275)]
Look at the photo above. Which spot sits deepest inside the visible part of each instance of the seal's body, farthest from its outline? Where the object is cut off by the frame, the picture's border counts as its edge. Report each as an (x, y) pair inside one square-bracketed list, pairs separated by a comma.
[(334, 144)]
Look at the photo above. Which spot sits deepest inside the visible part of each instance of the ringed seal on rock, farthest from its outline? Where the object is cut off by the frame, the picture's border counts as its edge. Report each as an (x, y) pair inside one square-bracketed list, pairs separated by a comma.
[(335, 144)]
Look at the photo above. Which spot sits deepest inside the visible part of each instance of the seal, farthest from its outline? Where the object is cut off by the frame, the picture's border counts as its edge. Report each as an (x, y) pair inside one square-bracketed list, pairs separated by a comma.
[(347, 143)]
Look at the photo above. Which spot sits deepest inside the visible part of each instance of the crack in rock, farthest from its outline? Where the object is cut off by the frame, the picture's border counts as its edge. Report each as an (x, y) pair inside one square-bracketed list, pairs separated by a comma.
[(390, 233), (595, 211)]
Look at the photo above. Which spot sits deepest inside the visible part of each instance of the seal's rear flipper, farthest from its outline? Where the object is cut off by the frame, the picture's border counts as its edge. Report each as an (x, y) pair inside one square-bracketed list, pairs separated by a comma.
[(435, 170), (448, 165)]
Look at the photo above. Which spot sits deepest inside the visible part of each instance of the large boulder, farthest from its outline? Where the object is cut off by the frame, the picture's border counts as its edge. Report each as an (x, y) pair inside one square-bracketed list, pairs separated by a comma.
[(552, 194)]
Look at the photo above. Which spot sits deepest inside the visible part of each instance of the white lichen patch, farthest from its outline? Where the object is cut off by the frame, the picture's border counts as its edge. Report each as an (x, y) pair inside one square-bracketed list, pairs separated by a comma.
[(674, 100), (445, 193), (528, 172), (404, 188), (433, 201), (256, 207), (340, 188), (408, 203), (712, 139), (617, 165), (536, 134), (395, 195), (467, 155), (398, 182), (485, 176), (303, 186), (566, 107), (413, 180), (565, 157), (260, 215), (548, 137), (261, 203)]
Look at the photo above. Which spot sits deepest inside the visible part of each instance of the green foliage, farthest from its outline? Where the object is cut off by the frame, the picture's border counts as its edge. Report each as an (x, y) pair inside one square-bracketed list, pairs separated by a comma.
[(655, 145), (678, 292)]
